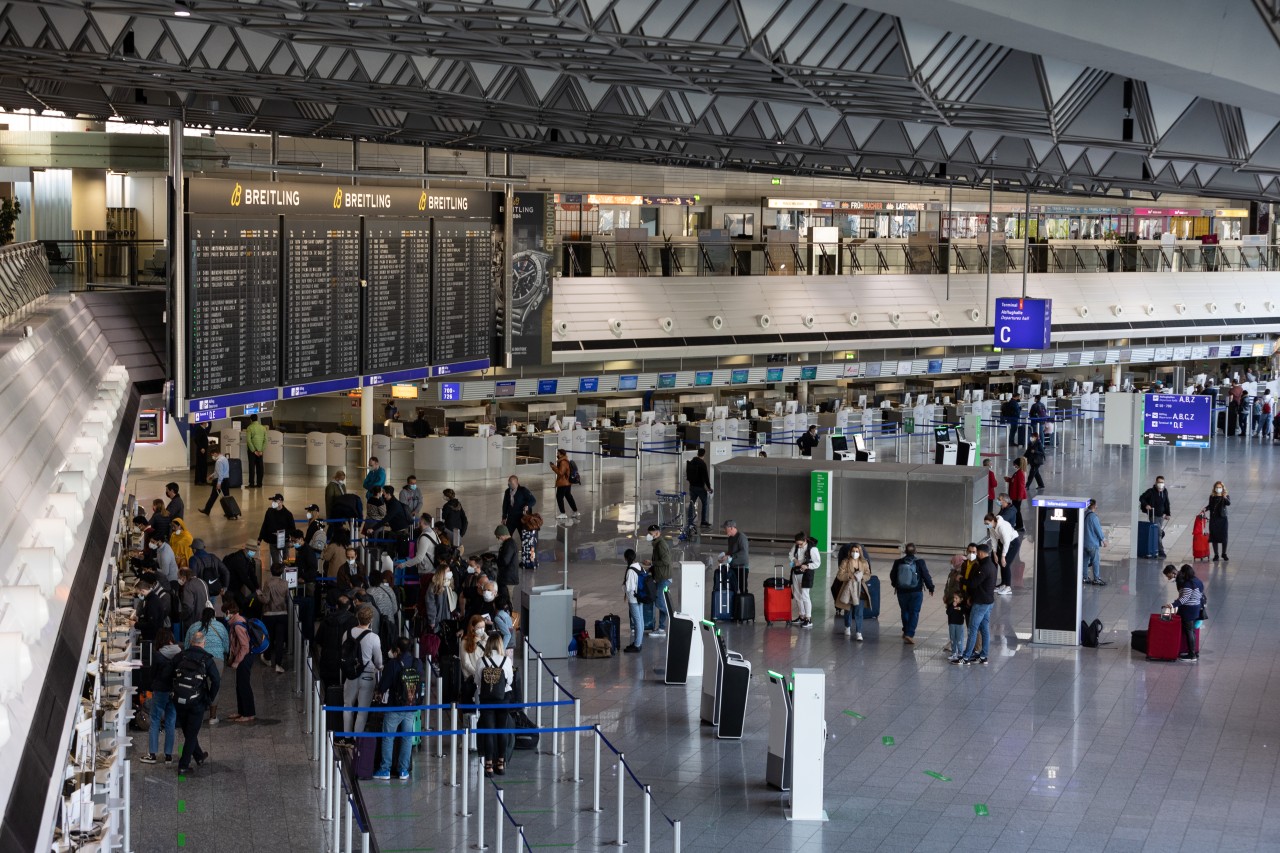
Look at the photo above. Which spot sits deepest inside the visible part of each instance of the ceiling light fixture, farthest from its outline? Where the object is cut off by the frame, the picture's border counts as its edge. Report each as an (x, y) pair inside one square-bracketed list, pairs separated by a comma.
[(181, 9)]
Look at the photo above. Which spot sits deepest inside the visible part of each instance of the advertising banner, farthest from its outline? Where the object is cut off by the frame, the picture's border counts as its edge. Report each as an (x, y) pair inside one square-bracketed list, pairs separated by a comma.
[(531, 281)]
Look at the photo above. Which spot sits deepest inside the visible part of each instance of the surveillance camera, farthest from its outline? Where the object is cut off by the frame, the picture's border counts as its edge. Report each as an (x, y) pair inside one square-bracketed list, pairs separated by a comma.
[(426, 384)]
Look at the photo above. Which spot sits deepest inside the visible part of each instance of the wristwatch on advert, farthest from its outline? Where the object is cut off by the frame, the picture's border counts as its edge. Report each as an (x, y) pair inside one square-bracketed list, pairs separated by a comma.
[(530, 285)]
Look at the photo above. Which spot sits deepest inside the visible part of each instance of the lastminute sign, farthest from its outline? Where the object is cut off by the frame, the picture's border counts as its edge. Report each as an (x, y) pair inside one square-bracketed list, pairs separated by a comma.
[(208, 195)]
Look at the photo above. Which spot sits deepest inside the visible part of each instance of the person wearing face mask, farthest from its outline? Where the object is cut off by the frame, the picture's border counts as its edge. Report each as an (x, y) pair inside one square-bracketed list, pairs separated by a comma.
[(909, 577), (454, 517), (385, 603), (374, 480), (1219, 500), (333, 627), (659, 566), (1155, 503), (242, 567), (411, 497), (805, 559), (517, 502), (508, 561), (277, 521), (1094, 540), (474, 639), (424, 549), (166, 562), (275, 616), (852, 575), (981, 598), (1018, 489), (440, 609), (350, 575)]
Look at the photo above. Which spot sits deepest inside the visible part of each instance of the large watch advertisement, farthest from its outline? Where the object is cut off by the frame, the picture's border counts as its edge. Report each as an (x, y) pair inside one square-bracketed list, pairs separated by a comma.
[(530, 309)]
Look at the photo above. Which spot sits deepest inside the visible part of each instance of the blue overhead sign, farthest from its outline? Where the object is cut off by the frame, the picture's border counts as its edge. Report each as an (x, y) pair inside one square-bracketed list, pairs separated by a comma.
[(208, 416), (547, 386), (588, 384), (244, 398), (1023, 323), (396, 376), (1177, 420), (460, 367), (450, 392), (328, 387)]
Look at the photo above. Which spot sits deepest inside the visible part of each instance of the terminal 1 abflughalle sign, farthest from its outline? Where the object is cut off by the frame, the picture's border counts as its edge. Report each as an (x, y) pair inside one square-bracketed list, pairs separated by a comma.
[(1177, 420), (1023, 323)]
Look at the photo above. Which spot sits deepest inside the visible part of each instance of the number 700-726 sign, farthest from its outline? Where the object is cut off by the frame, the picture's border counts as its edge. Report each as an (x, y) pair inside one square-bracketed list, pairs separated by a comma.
[(1023, 323)]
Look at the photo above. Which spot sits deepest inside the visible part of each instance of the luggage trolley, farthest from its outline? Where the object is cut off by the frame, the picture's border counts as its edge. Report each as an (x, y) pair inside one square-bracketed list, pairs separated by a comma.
[(670, 510)]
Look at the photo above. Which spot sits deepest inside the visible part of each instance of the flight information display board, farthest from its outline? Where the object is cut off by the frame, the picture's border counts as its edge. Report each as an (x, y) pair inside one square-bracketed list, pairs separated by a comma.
[(234, 299), (321, 299), (462, 292), (397, 294)]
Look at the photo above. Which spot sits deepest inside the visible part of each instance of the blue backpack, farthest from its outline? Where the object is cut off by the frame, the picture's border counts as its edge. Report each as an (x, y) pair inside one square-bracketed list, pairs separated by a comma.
[(259, 639)]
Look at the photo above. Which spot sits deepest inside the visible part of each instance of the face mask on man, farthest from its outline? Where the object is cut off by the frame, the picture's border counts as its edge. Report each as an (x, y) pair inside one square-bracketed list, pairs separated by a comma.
[(471, 570), (251, 554), (275, 504), (309, 516), (413, 485), (648, 537), (490, 595), (973, 555), (1159, 487)]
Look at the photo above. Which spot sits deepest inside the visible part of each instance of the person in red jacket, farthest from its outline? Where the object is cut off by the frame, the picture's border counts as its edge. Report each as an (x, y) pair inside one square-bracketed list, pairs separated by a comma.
[(1018, 489), (991, 485)]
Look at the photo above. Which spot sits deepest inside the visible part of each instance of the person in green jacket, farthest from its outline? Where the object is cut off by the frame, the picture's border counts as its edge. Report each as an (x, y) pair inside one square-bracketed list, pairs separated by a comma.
[(659, 565), (255, 437), (374, 480)]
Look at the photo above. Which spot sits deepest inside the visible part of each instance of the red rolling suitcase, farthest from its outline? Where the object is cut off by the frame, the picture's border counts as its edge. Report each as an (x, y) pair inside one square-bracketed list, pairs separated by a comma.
[(777, 598), (1164, 637), (1200, 538)]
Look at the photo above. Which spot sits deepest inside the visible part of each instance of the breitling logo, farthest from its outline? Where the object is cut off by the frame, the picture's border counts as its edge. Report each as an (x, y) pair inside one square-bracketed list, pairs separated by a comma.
[(236, 194), (422, 201), (337, 199)]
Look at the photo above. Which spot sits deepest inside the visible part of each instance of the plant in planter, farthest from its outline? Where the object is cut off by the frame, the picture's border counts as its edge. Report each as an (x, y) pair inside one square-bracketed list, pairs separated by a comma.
[(10, 210)]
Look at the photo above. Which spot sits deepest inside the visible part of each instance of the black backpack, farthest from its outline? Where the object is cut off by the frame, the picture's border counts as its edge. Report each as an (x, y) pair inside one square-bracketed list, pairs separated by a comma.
[(189, 680), (574, 477), (408, 688), (1090, 632), (352, 661), (493, 683)]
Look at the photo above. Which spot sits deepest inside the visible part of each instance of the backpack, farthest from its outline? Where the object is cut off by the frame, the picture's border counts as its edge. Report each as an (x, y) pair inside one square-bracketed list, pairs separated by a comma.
[(320, 539), (351, 662), (574, 477), (908, 575), (189, 681), (462, 522), (1089, 633), (256, 631), (645, 585), (493, 683), (212, 577), (408, 688)]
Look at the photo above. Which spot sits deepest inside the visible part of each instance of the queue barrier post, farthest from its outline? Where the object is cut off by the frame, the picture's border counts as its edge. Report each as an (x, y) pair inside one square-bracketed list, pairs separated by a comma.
[(480, 845), (466, 778), (439, 716), (595, 800), (332, 808), (497, 820), (538, 712), (577, 741), (675, 837), (622, 770), (348, 819), (555, 718), (453, 746), (524, 673), (364, 841), (519, 837), (648, 815)]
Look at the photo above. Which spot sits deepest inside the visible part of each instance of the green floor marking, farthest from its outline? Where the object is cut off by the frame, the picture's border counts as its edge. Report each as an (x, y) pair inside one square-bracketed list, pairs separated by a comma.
[(981, 810), (887, 741), (182, 777), (182, 806), (182, 839), (853, 714), (937, 776)]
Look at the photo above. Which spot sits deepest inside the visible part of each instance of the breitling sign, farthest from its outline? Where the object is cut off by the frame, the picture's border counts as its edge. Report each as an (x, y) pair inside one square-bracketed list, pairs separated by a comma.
[(209, 195)]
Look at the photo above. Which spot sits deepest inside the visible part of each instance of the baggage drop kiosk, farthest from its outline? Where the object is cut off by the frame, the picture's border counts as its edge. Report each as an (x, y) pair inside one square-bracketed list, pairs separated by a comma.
[(712, 672), (724, 697), (682, 630), (1057, 597), (808, 743), (777, 771)]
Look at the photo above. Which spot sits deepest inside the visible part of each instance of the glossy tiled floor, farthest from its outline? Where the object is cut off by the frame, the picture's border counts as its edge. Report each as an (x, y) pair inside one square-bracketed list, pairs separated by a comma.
[(1077, 749)]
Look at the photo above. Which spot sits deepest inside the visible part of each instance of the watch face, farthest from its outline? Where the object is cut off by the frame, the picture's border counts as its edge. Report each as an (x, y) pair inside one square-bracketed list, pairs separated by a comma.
[(526, 276)]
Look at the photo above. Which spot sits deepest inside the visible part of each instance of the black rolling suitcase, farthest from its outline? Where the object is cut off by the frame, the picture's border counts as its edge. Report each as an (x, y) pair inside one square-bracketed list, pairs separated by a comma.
[(610, 628), (235, 473), (722, 595), (744, 607), (230, 507)]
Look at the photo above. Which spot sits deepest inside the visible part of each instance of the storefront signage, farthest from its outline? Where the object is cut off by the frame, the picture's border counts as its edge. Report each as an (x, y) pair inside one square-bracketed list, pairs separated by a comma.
[(1177, 420), (1173, 211), (1231, 213), (626, 200), (309, 388), (212, 195), (791, 203), (1023, 323)]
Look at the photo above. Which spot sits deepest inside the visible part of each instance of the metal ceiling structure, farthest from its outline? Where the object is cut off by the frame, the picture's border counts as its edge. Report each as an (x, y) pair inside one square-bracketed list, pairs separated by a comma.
[(819, 87)]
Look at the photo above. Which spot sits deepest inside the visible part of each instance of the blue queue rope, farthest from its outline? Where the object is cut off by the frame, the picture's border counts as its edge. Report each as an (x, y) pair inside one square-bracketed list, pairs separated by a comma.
[(463, 731), (397, 708)]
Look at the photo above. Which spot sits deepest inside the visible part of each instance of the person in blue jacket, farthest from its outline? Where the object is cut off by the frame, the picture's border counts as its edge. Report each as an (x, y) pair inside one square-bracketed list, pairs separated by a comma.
[(1190, 605), (374, 480), (1094, 539)]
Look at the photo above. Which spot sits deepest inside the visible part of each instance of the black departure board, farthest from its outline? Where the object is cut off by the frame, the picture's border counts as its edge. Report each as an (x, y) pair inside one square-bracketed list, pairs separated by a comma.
[(234, 309), (397, 295), (321, 299), (462, 292)]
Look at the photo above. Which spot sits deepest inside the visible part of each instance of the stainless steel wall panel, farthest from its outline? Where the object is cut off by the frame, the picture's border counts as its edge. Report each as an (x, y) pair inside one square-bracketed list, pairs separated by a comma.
[(870, 506)]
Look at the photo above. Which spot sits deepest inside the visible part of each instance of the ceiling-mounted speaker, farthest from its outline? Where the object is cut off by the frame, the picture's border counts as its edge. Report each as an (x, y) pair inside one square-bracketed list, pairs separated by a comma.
[(1212, 308), (1083, 310), (1118, 310), (1180, 307), (562, 327), (667, 324), (765, 321), (935, 317), (1269, 307), (974, 315), (853, 318), (1150, 309), (808, 320), (1128, 95), (615, 326), (716, 322), (895, 317)]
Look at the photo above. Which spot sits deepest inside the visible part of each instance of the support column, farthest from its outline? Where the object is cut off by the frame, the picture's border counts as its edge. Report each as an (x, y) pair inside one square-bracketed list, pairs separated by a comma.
[(1117, 375), (366, 424), (178, 319), (508, 234)]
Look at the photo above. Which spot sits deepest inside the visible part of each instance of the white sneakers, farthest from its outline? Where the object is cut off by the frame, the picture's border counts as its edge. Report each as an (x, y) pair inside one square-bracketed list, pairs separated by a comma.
[(561, 515), (858, 637), (1004, 590), (848, 632)]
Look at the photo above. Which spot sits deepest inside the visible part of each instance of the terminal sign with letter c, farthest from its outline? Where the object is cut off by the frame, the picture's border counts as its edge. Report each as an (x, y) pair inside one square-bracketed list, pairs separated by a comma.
[(1023, 323)]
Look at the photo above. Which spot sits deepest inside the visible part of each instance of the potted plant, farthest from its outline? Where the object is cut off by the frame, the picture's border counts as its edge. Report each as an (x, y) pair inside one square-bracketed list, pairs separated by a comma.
[(10, 210)]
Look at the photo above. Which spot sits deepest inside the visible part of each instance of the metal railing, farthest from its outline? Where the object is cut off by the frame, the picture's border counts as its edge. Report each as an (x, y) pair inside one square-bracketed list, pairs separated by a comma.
[(23, 277), (898, 257), (121, 262)]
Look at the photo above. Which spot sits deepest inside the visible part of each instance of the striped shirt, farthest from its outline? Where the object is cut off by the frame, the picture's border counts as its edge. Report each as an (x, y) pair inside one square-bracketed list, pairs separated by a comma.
[(1192, 594)]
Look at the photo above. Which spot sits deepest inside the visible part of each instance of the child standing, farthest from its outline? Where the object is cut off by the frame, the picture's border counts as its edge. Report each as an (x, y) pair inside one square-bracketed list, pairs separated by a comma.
[(956, 612)]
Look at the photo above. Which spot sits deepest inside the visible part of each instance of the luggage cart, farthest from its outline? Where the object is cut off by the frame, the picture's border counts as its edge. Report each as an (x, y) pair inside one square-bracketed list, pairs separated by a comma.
[(670, 510)]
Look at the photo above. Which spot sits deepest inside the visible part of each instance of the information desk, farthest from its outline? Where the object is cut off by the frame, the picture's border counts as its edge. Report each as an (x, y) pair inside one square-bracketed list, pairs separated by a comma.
[(935, 506)]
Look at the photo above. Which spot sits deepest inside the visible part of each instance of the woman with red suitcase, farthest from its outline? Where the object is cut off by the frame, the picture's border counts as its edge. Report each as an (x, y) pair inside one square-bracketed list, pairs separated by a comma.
[(1189, 603)]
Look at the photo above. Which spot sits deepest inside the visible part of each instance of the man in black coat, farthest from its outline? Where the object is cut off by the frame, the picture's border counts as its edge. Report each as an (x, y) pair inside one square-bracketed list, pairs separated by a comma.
[(1155, 503), (200, 451), (698, 476), (910, 594), (508, 561), (277, 520), (191, 716), (397, 523), (153, 613), (175, 507), (333, 628), (517, 502), (981, 586), (243, 567)]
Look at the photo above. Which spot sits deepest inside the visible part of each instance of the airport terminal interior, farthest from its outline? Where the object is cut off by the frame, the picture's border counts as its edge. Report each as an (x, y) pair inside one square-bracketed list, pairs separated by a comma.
[(817, 276)]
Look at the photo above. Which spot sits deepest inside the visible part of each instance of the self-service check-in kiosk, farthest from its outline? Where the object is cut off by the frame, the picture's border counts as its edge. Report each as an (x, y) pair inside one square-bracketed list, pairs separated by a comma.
[(681, 631), (1057, 598), (808, 741), (949, 449), (777, 771), (725, 704)]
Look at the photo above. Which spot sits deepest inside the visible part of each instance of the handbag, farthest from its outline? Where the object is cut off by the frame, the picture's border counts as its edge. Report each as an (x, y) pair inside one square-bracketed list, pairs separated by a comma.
[(845, 598), (532, 521)]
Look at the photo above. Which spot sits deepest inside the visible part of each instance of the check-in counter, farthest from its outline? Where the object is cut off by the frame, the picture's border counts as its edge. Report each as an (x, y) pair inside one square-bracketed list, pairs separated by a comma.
[(543, 446), (463, 458), (934, 506)]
